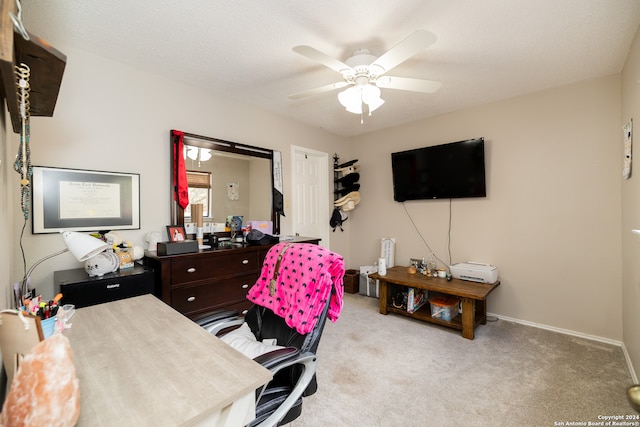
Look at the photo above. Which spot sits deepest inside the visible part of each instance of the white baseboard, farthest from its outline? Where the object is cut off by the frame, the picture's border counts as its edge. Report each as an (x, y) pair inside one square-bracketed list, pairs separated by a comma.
[(629, 364), (576, 334)]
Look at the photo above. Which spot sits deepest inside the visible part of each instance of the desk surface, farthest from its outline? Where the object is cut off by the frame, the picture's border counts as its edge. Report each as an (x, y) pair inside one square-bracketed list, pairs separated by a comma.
[(140, 362)]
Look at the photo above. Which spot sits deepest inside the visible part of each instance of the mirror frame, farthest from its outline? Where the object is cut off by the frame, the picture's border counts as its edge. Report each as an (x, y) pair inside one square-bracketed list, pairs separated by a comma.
[(215, 144)]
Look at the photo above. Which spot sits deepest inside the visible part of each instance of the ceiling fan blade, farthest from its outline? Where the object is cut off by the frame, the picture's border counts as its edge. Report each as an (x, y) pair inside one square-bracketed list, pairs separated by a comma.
[(407, 83), (324, 59), (405, 50), (316, 91)]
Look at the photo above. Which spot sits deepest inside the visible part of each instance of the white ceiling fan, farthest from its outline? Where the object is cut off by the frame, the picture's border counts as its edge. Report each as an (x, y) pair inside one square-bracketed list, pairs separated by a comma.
[(366, 74)]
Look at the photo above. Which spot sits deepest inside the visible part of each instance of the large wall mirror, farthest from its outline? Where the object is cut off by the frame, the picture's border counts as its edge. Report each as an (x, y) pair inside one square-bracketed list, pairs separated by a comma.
[(228, 178)]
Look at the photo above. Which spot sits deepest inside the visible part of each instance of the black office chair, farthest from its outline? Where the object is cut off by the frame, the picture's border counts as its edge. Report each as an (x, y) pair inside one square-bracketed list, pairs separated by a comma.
[(293, 367)]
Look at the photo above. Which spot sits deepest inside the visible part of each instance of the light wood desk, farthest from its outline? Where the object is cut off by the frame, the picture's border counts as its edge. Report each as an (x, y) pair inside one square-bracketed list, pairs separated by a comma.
[(141, 363)]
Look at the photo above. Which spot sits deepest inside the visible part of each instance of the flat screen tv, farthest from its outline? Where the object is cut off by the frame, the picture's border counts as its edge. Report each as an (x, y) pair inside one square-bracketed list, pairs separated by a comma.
[(446, 171)]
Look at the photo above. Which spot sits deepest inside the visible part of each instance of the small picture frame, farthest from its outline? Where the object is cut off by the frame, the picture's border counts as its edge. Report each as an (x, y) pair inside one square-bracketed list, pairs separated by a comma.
[(176, 233), (415, 262)]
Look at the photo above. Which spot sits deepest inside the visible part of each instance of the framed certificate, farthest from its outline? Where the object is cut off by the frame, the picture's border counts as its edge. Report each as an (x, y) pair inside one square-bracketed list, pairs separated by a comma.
[(82, 200)]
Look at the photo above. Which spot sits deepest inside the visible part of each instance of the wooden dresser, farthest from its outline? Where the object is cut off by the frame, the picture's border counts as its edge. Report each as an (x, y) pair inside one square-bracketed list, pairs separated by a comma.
[(211, 279)]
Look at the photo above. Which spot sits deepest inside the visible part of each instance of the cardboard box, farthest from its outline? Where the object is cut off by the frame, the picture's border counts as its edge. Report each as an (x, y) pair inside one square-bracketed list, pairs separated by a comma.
[(416, 298)]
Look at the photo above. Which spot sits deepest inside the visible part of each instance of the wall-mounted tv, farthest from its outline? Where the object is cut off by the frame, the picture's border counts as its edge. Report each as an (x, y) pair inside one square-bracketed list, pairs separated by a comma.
[(446, 171)]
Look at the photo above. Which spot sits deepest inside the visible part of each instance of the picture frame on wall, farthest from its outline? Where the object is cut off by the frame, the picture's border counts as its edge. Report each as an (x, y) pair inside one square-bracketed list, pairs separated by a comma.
[(176, 233), (84, 200)]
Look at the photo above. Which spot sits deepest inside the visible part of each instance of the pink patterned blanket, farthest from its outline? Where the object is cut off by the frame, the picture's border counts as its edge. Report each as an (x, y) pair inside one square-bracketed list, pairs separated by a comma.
[(296, 283)]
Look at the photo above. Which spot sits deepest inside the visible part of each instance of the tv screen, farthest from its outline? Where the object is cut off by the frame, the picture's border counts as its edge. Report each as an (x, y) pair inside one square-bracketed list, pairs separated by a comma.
[(444, 171)]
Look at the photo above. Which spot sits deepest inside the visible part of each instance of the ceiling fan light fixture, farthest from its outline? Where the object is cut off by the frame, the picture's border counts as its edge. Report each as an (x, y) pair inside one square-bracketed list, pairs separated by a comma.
[(375, 104), (370, 94), (353, 98), (355, 110), (192, 152), (205, 154)]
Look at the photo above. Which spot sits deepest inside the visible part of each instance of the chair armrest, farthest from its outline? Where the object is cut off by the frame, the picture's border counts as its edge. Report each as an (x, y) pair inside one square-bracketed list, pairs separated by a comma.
[(212, 316), (216, 321), (272, 359), (309, 362)]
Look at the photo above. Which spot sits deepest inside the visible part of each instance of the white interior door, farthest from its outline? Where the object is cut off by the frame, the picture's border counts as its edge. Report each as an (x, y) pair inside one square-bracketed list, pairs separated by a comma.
[(310, 193)]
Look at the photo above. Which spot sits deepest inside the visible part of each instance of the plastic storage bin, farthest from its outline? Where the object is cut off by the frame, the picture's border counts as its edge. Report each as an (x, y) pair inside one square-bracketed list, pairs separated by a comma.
[(444, 307)]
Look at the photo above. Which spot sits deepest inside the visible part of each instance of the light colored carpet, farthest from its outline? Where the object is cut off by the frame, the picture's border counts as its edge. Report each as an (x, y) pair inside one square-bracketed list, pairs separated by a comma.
[(377, 370)]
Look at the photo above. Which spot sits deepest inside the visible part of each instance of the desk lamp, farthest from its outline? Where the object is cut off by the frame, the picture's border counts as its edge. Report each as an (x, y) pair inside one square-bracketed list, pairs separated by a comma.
[(82, 246)]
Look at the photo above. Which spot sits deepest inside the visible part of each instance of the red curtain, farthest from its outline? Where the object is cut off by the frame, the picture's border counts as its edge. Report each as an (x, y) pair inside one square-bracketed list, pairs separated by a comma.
[(180, 184)]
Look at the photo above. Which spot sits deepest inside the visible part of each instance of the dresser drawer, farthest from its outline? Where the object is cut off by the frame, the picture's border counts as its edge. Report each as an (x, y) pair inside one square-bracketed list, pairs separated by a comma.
[(189, 299), (240, 307), (207, 267)]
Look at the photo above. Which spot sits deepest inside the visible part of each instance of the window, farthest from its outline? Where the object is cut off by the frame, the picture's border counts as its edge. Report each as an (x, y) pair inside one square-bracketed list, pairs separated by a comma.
[(199, 191)]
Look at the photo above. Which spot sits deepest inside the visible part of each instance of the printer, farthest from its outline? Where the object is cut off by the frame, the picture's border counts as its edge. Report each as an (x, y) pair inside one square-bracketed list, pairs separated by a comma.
[(475, 272)]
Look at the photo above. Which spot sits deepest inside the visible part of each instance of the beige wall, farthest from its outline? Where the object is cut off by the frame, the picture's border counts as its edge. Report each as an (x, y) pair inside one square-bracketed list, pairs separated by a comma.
[(550, 221), (631, 211), (6, 213), (115, 118)]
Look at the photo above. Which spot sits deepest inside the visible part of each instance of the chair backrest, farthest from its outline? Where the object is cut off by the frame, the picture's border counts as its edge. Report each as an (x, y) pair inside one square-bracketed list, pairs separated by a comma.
[(296, 279), (19, 334), (264, 323)]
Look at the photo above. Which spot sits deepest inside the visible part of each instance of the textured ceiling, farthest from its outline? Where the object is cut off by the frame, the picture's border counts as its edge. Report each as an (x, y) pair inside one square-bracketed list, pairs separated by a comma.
[(486, 50)]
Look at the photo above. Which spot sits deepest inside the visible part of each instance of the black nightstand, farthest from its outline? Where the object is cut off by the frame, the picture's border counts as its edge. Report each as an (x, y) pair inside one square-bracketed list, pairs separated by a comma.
[(78, 288)]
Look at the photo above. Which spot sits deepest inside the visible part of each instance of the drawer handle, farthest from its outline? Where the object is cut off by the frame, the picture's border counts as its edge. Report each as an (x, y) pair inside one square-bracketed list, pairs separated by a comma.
[(191, 270), (245, 261), (191, 299), (245, 286), (244, 312)]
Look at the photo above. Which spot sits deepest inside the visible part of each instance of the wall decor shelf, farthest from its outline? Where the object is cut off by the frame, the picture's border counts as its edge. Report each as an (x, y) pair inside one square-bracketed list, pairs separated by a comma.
[(46, 63)]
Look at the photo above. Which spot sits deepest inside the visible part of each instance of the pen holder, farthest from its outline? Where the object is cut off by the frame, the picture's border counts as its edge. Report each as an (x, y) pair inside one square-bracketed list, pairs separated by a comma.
[(48, 326)]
